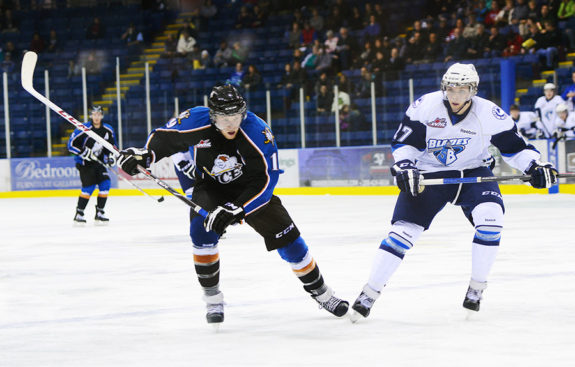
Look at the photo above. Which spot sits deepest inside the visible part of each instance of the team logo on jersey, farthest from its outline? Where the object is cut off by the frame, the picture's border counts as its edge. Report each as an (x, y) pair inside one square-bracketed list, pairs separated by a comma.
[(269, 136), (417, 102), (498, 113), (438, 122), (204, 144), (226, 169), (446, 150)]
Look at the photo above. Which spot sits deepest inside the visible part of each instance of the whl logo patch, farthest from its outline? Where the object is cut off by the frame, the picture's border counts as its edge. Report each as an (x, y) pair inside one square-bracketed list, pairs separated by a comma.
[(438, 122), (204, 144), (446, 150)]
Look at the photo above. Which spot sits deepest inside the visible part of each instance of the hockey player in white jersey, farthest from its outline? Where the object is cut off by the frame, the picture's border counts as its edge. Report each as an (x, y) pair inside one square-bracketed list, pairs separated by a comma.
[(564, 122), (545, 109), (447, 134), (526, 121)]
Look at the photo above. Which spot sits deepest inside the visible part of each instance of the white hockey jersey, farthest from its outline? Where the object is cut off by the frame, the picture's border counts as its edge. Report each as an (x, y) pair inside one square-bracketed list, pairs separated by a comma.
[(526, 118), (546, 110), (428, 136), (566, 127)]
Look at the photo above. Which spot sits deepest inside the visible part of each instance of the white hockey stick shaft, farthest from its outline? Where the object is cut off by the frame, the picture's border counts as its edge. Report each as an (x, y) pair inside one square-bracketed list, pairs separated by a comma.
[(460, 180), (27, 75)]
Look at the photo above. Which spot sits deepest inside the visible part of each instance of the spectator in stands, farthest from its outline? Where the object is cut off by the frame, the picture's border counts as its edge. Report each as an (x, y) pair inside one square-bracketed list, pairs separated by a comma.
[(316, 20), (92, 64), (546, 44), (373, 29), (185, 43), (8, 25), (514, 42), (367, 12), (207, 12), (433, 49), (323, 79), (350, 119), (395, 64), (346, 49), (310, 60), (14, 53), (533, 10), (479, 44), (324, 100), (260, 17), (298, 55), (294, 36), (442, 30), (471, 28), (457, 47), (344, 84), (8, 65), (503, 19), (355, 22), (239, 52), (566, 17), (223, 56), (363, 89), (418, 27), (491, 16), (413, 49), (95, 30), (205, 60), (330, 41), (569, 94), (308, 35), (52, 42), (131, 37), (170, 46), (37, 43), (237, 76), (252, 80), (519, 17), (335, 19), (526, 121), (245, 18), (497, 43), (367, 55), (546, 15), (194, 57), (324, 61)]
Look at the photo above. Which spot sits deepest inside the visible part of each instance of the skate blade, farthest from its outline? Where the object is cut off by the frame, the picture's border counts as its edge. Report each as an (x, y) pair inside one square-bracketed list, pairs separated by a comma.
[(79, 224), (99, 223), (354, 316), (470, 314), (216, 326)]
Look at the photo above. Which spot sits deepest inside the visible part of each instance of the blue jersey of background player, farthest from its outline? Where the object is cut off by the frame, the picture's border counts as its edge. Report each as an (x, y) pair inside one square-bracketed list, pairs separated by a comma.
[(236, 170), (447, 134), (90, 157)]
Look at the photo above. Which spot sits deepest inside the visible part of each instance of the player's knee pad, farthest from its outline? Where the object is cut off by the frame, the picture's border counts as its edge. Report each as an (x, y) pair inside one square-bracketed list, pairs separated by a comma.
[(200, 237), (104, 187), (88, 190), (488, 219), (401, 238), (295, 251)]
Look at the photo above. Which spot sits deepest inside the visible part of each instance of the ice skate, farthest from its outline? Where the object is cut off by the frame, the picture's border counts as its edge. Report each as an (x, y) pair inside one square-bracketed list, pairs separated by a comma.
[(474, 294), (215, 309), (363, 304), (79, 219), (100, 218), (331, 303)]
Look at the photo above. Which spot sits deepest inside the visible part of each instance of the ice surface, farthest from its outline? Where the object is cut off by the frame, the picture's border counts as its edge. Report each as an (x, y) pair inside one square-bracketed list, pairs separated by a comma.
[(127, 294)]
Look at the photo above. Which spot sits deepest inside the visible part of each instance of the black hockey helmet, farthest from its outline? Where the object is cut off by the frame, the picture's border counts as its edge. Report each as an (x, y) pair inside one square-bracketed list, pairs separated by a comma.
[(226, 100)]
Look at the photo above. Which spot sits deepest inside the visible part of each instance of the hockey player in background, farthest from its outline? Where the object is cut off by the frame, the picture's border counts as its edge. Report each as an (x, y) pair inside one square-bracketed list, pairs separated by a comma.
[(447, 134), (236, 170), (545, 109), (89, 156), (564, 122), (185, 171), (526, 121)]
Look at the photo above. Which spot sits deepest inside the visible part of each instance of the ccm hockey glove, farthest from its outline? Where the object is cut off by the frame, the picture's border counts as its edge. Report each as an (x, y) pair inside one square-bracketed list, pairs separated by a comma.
[(188, 168), (131, 158), (222, 216), (86, 154), (407, 177), (543, 175)]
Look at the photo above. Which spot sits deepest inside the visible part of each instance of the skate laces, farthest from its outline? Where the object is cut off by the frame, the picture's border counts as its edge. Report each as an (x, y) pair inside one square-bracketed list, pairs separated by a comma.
[(474, 294), (331, 304), (365, 300), (215, 308)]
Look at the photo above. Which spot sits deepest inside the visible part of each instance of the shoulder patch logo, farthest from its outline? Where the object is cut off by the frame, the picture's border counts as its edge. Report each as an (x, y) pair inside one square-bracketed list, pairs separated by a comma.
[(204, 144), (498, 113), (269, 136), (438, 122)]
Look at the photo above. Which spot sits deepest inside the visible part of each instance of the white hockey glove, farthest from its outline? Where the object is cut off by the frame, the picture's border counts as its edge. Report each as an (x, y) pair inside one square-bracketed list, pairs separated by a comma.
[(188, 168), (543, 174), (407, 177), (131, 158), (223, 216), (111, 160)]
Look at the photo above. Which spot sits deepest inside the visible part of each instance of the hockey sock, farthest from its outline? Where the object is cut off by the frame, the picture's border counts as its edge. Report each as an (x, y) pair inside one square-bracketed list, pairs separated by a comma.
[(207, 264), (303, 266), (83, 202), (385, 263), (482, 259), (102, 201)]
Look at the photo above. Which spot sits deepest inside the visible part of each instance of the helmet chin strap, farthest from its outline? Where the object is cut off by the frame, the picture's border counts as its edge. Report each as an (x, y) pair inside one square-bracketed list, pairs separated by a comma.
[(462, 107)]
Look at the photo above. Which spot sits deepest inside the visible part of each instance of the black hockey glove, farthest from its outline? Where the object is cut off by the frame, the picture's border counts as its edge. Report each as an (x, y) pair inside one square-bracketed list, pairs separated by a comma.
[(407, 177), (132, 157), (188, 168), (86, 154), (111, 160), (543, 175), (223, 216)]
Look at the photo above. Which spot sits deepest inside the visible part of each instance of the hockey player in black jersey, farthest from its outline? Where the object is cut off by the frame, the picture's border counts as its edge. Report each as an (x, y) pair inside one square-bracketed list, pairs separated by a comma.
[(236, 170), (89, 156)]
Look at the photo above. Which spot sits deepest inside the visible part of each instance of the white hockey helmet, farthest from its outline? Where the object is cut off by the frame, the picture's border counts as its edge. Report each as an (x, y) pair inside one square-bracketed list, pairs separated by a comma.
[(459, 75), (549, 86), (561, 107)]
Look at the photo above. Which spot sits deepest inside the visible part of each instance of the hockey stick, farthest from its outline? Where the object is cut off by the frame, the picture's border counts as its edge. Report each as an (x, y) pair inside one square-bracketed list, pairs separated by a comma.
[(28, 66), (128, 181), (466, 180)]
